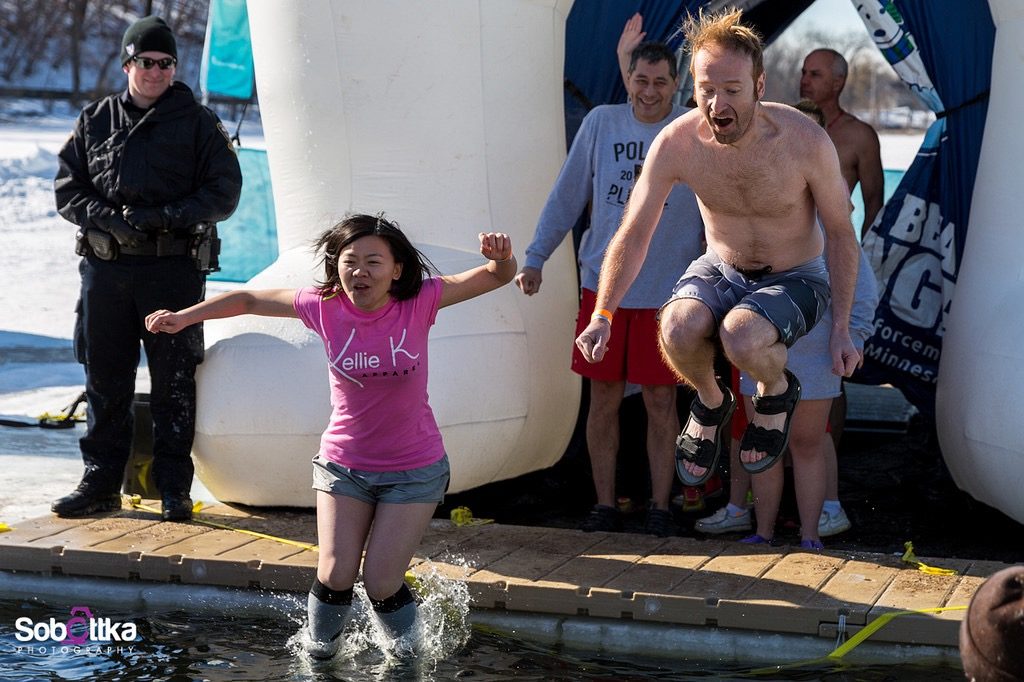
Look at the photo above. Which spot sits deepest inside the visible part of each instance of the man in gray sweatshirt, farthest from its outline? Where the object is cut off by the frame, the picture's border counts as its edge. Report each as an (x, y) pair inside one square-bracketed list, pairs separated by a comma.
[(604, 162)]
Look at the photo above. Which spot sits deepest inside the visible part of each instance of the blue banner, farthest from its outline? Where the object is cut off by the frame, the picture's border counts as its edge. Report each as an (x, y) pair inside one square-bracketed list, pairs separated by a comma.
[(227, 67), (915, 244)]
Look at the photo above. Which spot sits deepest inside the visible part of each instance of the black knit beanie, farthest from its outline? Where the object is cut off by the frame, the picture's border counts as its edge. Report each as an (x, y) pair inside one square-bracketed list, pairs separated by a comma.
[(992, 632), (148, 34)]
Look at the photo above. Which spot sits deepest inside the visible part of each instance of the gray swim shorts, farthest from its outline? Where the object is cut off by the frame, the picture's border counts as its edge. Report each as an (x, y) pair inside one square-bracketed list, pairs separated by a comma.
[(425, 484), (810, 359), (793, 301)]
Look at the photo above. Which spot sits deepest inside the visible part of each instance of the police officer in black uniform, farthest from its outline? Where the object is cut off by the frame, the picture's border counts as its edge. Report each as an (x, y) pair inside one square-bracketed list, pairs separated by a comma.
[(145, 175)]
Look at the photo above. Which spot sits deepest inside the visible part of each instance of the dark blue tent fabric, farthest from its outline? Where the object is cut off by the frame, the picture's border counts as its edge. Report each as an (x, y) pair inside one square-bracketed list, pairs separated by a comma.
[(592, 32), (960, 65), (915, 248)]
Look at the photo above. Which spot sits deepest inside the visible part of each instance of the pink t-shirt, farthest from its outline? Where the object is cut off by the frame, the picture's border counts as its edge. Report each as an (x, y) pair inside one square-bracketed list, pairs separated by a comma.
[(380, 420)]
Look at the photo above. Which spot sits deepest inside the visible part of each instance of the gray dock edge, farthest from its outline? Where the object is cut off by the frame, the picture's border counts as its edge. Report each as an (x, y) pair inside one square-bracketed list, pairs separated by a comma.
[(594, 635)]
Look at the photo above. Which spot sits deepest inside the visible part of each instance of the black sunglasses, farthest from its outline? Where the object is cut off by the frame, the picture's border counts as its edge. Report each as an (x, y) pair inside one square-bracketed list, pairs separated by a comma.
[(148, 63)]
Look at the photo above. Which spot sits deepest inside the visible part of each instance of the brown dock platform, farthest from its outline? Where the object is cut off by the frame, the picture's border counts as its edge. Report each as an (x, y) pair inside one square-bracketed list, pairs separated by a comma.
[(623, 577)]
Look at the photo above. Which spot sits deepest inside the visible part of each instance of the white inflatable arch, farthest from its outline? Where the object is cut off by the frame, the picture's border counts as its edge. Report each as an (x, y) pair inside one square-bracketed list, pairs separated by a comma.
[(980, 420), (449, 120)]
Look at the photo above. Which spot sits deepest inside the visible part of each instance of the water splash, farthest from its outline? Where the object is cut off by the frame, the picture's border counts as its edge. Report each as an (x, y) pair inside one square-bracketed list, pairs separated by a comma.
[(442, 630)]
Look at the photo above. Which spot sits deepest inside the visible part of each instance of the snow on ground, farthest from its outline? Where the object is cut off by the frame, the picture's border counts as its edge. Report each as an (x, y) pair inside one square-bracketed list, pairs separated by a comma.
[(38, 265), (38, 291)]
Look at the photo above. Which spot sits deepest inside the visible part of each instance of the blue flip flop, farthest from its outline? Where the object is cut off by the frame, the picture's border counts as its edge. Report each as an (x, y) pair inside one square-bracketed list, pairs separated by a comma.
[(756, 539)]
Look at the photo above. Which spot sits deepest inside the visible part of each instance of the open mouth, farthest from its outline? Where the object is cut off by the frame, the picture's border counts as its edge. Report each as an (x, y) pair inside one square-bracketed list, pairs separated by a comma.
[(722, 121)]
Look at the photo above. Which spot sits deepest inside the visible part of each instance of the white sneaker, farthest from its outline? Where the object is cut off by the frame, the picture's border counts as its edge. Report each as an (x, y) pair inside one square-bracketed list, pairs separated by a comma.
[(832, 524), (724, 522)]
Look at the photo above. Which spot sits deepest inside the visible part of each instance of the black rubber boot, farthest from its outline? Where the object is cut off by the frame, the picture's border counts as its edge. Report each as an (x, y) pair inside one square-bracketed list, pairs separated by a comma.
[(86, 500), (176, 507)]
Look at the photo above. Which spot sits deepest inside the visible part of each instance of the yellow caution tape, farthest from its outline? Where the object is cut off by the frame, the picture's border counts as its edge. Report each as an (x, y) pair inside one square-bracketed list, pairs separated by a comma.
[(61, 417), (836, 656), (909, 558), (5, 528), (463, 516), (414, 582), (143, 472), (880, 622)]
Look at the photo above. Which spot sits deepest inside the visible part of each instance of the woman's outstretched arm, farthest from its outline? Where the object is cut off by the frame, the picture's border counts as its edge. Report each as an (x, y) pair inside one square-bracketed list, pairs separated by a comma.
[(267, 302), (496, 247)]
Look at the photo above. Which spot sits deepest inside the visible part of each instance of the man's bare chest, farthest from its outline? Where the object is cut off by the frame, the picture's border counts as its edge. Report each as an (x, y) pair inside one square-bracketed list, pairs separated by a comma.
[(765, 187)]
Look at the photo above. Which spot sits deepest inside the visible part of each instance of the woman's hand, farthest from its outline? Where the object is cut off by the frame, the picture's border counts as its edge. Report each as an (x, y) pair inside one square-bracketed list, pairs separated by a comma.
[(165, 321), (496, 246)]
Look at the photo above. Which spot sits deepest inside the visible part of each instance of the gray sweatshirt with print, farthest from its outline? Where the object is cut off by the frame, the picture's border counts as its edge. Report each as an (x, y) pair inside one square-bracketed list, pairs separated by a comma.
[(603, 164)]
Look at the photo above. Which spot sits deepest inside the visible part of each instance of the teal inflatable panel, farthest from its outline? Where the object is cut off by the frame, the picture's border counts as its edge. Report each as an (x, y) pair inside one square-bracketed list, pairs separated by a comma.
[(249, 237), (227, 67)]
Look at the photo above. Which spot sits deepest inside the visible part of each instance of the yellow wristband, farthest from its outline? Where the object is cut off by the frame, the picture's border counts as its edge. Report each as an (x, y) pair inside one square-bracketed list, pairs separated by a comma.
[(605, 315)]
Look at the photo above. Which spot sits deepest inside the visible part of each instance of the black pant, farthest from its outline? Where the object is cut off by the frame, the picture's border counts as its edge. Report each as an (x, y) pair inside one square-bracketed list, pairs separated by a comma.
[(116, 296)]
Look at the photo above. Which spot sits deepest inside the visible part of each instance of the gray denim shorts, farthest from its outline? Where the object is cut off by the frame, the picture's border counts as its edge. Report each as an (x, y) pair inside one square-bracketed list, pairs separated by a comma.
[(426, 484)]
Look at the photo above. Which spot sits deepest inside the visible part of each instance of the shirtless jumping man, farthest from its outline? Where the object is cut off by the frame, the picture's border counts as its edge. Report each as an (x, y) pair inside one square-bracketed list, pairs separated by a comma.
[(760, 172)]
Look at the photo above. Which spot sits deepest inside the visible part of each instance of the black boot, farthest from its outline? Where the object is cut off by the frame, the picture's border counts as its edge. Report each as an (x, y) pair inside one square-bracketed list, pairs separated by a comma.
[(176, 506), (86, 500)]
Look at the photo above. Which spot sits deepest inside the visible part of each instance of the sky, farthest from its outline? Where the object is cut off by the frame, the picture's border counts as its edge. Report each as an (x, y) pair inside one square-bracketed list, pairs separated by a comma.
[(833, 16)]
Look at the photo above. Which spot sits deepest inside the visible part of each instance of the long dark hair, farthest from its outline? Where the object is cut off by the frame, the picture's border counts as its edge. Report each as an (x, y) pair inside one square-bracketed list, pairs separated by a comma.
[(415, 266)]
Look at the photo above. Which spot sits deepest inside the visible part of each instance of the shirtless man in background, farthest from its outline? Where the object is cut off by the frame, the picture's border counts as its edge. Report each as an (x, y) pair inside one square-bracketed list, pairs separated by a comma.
[(822, 80), (760, 172)]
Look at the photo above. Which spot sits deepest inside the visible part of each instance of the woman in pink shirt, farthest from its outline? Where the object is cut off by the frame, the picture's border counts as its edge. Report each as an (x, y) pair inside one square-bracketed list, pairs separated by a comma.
[(381, 464)]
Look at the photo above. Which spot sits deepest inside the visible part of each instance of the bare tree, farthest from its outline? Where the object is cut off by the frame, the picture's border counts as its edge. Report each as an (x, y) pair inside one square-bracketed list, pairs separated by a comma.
[(76, 9), (42, 39), (24, 26)]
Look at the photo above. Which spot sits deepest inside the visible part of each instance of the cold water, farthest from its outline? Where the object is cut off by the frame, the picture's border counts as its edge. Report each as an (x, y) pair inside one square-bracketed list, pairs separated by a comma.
[(125, 642)]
